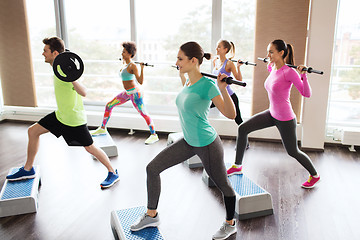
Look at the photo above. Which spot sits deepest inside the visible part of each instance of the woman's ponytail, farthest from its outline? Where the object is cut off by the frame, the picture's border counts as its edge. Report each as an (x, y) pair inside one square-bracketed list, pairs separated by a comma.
[(232, 50), (207, 56), (290, 55)]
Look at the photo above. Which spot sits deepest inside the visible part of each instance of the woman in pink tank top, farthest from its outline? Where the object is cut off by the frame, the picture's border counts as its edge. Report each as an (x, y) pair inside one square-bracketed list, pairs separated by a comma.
[(280, 113)]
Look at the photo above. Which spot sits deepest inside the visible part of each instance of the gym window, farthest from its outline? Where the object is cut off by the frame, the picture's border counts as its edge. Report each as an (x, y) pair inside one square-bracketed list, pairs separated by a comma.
[(95, 32), (344, 100)]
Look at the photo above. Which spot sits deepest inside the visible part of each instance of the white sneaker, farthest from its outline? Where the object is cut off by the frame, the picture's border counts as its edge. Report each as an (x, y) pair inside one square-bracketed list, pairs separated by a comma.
[(98, 131), (225, 231), (145, 221), (152, 139)]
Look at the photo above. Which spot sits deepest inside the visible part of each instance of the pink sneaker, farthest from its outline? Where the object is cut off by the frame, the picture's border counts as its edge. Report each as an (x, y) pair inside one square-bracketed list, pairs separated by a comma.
[(310, 183), (234, 170)]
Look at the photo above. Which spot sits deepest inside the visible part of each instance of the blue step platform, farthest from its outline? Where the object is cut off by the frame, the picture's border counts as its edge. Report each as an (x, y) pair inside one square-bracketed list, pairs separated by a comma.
[(106, 143), (20, 197), (121, 220), (194, 161), (251, 200)]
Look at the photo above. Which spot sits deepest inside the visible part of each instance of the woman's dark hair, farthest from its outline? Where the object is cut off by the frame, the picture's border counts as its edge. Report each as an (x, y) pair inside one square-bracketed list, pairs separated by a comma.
[(193, 49), (288, 49), (130, 47), (229, 46), (55, 44)]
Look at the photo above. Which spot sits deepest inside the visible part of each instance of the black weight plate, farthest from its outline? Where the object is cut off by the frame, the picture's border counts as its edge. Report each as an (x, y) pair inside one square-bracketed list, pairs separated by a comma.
[(65, 67)]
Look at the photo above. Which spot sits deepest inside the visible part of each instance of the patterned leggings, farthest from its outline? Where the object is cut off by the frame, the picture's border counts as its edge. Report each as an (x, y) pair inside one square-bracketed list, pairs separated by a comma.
[(136, 97)]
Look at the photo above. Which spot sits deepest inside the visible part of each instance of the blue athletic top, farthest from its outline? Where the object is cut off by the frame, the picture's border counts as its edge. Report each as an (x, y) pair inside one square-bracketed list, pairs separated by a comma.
[(222, 70), (125, 75)]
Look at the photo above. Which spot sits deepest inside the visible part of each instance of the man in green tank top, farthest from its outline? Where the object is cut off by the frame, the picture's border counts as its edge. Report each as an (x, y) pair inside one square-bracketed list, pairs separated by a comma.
[(68, 120)]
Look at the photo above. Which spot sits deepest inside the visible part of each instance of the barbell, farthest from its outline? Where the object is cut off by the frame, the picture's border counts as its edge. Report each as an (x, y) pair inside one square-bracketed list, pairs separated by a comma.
[(145, 64), (228, 80), (308, 69), (246, 62)]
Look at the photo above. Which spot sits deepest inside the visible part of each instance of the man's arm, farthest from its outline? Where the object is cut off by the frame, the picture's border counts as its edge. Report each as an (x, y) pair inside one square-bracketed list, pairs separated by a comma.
[(79, 88)]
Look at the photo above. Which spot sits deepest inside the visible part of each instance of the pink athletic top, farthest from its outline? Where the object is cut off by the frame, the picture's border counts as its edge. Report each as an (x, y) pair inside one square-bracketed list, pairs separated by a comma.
[(278, 85)]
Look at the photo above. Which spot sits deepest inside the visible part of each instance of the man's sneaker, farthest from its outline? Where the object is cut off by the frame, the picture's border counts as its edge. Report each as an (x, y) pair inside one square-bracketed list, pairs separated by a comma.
[(145, 221), (225, 231), (310, 183), (22, 174), (234, 170), (98, 131), (111, 179), (152, 139)]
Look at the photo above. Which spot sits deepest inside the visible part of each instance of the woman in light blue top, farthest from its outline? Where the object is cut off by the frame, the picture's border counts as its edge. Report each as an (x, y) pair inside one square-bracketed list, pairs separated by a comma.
[(222, 65), (130, 77), (200, 138)]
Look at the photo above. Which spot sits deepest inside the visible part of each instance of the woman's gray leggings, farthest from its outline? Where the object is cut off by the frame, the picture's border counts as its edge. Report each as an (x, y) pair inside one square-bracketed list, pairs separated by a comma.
[(287, 131), (212, 157)]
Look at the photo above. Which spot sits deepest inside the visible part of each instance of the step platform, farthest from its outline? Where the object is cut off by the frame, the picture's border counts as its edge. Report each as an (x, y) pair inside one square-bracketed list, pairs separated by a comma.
[(106, 143), (251, 200), (194, 161), (121, 220), (20, 197)]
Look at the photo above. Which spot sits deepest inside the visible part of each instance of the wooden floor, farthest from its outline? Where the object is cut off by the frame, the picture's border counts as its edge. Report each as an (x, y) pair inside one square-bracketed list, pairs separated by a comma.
[(72, 205)]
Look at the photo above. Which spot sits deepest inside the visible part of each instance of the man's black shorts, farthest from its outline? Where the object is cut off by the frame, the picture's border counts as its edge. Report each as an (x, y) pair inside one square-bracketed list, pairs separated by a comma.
[(74, 136)]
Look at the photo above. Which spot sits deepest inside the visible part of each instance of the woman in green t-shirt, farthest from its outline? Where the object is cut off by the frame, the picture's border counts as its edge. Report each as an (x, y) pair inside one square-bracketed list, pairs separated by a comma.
[(200, 137)]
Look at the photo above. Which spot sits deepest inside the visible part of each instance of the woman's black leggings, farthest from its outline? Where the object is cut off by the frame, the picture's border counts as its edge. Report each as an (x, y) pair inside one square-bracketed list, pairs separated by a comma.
[(287, 131), (238, 118), (212, 157), (235, 100)]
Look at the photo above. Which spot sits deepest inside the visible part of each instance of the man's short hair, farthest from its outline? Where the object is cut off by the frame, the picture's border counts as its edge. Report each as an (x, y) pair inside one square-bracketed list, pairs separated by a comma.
[(55, 43)]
